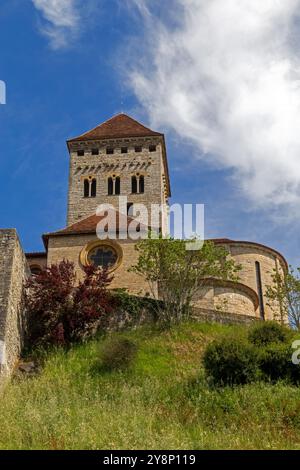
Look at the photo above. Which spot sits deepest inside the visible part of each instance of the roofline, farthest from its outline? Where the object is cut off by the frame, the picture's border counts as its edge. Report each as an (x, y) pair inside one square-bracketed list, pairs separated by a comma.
[(107, 137), (77, 139), (223, 241)]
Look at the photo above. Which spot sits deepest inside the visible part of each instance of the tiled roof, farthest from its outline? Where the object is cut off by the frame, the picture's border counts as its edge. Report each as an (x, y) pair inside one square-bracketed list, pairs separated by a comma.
[(89, 225), (118, 126)]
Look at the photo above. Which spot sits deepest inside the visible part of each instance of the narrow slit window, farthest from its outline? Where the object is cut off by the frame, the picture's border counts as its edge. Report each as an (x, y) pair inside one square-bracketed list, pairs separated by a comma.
[(80, 153), (109, 151), (93, 188), (138, 149), (110, 189), (86, 191), (117, 185), (142, 184), (95, 151), (260, 290), (152, 148), (134, 184), (124, 150)]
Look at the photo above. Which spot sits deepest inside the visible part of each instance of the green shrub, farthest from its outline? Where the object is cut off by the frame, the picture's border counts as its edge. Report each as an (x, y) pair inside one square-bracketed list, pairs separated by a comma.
[(268, 332), (275, 361), (231, 361), (117, 354)]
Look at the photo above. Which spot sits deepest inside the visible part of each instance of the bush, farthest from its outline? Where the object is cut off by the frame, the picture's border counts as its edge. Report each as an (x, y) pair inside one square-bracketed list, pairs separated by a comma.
[(60, 311), (275, 361), (268, 332), (231, 361), (117, 354)]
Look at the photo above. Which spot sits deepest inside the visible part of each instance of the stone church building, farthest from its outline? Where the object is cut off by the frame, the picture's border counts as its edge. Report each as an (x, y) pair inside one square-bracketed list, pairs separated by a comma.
[(122, 157)]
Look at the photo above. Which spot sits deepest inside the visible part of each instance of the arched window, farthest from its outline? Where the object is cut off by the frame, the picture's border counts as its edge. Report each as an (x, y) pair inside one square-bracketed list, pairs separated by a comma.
[(134, 189), (90, 187), (86, 188), (94, 188), (117, 185), (137, 184), (114, 185), (142, 184), (110, 186)]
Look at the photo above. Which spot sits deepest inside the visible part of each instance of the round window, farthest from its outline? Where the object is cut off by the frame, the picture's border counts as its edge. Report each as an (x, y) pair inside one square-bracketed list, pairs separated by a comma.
[(103, 256)]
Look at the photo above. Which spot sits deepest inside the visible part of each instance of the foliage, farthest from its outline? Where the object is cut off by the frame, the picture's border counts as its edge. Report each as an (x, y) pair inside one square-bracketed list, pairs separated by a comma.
[(117, 354), (285, 293), (265, 354), (162, 402), (231, 361), (61, 312), (136, 309), (175, 274), (276, 364), (264, 333)]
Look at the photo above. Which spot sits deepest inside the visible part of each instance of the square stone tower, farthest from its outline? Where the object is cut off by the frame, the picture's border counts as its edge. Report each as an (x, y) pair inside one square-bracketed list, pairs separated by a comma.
[(120, 157)]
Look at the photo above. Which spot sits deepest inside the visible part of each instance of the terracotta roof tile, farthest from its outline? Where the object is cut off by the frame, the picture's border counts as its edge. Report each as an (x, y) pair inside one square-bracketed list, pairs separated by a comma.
[(118, 126), (89, 225)]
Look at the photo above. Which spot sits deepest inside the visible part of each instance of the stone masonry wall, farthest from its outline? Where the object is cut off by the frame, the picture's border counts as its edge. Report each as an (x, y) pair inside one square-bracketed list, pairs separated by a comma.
[(69, 247), (124, 165), (13, 271)]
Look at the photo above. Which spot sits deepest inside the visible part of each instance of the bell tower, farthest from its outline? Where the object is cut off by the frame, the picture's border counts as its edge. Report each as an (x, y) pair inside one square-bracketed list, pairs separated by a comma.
[(120, 157)]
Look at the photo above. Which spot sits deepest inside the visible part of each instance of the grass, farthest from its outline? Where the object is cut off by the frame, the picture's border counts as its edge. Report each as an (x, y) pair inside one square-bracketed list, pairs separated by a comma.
[(162, 402)]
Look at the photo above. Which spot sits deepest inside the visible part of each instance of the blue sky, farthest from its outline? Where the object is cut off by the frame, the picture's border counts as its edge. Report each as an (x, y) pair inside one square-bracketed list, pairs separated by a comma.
[(66, 70)]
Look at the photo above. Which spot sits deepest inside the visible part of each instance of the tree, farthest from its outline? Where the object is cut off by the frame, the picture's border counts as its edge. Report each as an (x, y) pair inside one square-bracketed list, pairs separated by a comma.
[(285, 294), (60, 310), (175, 274)]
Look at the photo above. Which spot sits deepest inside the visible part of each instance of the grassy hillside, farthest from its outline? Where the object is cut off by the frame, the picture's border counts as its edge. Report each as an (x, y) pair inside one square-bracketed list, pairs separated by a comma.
[(164, 402)]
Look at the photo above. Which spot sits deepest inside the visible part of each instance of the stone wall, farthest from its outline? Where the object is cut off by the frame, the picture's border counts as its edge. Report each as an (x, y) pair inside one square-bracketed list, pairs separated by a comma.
[(13, 272), (102, 166), (227, 296), (207, 315), (70, 246), (247, 254)]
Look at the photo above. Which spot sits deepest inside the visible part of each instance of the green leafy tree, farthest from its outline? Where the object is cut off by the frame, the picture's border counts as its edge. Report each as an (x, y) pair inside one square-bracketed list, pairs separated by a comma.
[(285, 294), (175, 274)]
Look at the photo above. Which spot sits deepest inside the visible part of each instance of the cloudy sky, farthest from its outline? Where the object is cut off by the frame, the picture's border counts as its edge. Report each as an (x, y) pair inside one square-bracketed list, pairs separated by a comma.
[(220, 79)]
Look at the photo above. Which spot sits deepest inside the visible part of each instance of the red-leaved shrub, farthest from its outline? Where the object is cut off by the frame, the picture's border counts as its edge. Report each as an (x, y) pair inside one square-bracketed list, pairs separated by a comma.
[(61, 311)]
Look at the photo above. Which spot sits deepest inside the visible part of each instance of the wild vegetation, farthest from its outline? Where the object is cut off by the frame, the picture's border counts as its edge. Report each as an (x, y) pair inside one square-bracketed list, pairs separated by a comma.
[(264, 354), (285, 292), (162, 401)]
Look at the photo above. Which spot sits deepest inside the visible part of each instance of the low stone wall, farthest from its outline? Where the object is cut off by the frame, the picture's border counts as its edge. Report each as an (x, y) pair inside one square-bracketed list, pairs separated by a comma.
[(13, 272), (207, 315)]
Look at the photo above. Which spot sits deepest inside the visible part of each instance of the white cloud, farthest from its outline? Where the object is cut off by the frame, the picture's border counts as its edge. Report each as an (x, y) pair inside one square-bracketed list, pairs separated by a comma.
[(226, 76), (61, 20)]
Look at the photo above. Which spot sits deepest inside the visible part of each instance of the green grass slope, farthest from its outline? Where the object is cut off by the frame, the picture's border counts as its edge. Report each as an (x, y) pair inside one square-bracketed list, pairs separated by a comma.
[(163, 402)]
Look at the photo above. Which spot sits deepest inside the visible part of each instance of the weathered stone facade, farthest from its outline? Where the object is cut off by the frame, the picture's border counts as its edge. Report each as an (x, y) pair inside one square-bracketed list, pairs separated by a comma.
[(122, 165), (13, 272), (122, 148), (70, 246)]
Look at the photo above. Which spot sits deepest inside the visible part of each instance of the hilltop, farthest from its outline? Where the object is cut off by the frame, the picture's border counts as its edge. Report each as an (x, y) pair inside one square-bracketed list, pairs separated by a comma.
[(163, 402)]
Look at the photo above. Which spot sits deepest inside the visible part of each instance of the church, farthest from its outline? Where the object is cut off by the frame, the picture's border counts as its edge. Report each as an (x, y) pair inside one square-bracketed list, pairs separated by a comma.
[(122, 157)]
